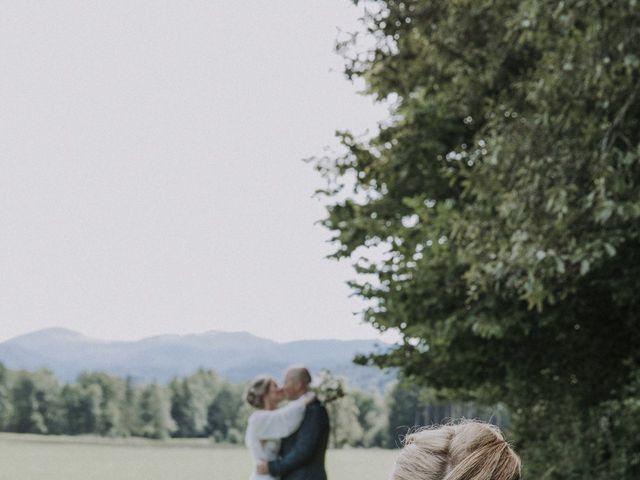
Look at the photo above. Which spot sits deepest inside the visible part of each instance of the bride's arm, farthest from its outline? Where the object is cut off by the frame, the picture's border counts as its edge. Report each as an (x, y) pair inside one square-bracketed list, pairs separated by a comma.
[(281, 422)]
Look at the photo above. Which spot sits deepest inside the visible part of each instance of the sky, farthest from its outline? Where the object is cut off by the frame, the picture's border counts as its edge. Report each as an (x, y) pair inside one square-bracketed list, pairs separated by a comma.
[(152, 179)]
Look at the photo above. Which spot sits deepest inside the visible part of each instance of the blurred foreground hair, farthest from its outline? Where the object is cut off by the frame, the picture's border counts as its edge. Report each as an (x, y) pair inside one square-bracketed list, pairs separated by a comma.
[(469, 450)]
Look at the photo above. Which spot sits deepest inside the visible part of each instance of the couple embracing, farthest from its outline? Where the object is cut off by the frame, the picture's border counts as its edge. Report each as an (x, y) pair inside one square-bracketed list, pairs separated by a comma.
[(287, 443)]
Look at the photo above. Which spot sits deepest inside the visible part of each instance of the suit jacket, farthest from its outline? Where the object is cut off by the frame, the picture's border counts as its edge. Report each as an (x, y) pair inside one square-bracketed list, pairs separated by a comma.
[(302, 453)]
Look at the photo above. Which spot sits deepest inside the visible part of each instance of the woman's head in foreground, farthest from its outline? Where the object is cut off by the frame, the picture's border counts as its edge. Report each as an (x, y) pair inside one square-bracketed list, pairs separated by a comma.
[(465, 451)]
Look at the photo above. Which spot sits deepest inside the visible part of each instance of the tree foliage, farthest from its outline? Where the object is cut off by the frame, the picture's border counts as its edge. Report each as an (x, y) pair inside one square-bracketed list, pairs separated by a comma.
[(342, 409), (503, 194), (200, 405), (155, 420), (5, 399), (35, 403)]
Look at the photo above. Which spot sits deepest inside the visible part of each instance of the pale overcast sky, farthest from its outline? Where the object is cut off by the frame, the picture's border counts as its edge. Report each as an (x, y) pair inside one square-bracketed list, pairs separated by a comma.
[(151, 176)]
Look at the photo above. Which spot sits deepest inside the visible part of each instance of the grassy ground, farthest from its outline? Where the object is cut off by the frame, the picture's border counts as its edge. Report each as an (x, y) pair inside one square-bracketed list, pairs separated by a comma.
[(35, 457)]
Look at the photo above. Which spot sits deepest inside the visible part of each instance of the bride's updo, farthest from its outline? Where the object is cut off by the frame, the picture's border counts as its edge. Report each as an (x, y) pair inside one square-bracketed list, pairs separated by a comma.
[(256, 390), (466, 451)]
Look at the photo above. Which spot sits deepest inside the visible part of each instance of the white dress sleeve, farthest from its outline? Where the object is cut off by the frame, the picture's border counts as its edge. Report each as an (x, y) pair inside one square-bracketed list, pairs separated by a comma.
[(278, 423)]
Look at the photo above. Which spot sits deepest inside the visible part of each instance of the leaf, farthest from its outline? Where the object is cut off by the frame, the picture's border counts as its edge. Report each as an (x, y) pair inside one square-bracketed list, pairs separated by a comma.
[(604, 214), (611, 250), (631, 61), (584, 267), (628, 159)]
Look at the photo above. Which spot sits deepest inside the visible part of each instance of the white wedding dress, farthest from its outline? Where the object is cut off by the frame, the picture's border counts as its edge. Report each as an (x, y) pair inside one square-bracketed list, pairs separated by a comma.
[(266, 428)]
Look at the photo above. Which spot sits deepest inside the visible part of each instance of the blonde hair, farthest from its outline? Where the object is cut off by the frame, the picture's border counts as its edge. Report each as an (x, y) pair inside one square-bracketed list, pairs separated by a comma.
[(257, 389), (469, 450)]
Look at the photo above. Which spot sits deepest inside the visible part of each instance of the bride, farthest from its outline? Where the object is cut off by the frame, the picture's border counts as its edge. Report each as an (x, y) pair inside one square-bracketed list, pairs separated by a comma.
[(268, 424)]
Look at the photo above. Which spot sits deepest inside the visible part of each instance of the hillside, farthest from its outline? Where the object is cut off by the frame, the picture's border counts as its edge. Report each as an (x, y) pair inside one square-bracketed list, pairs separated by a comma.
[(237, 356)]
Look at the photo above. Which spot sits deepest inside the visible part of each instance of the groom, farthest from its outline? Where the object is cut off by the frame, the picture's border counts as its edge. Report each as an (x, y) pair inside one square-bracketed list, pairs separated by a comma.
[(302, 453)]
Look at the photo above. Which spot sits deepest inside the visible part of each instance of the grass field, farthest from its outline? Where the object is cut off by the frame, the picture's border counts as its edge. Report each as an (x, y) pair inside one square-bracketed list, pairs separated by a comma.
[(35, 457)]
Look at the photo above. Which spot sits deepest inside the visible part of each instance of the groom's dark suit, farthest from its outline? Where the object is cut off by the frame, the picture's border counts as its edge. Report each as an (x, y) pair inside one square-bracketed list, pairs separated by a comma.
[(302, 453)]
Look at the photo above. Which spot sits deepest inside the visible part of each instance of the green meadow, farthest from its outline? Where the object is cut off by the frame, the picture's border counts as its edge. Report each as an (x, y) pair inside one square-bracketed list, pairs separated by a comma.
[(37, 457)]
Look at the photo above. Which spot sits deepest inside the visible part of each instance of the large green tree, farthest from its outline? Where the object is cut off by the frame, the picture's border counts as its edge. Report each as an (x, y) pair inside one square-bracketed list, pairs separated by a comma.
[(494, 218), (190, 401), (36, 403), (81, 407), (223, 413), (154, 413), (103, 397)]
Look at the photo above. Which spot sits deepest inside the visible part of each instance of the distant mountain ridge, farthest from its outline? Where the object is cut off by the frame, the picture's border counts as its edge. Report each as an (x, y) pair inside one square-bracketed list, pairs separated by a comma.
[(238, 356)]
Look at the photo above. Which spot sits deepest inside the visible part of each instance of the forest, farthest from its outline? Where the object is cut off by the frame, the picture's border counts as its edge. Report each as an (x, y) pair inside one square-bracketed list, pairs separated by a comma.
[(204, 404)]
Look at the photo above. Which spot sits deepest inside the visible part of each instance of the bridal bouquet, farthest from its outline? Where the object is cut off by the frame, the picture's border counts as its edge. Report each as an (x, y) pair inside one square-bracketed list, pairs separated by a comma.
[(328, 387)]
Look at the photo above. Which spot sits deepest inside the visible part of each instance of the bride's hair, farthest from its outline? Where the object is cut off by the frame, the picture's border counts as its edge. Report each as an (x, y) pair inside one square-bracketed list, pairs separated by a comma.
[(469, 450), (256, 390)]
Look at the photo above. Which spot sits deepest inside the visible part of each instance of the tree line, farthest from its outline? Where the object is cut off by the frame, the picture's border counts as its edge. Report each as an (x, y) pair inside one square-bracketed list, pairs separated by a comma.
[(202, 405)]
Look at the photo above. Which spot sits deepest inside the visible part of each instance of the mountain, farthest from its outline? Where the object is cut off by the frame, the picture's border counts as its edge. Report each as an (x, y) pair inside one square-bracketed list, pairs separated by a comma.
[(238, 356)]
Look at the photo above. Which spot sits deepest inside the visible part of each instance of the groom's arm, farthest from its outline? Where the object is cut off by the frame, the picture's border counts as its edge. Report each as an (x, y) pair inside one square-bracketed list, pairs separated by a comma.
[(315, 422)]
